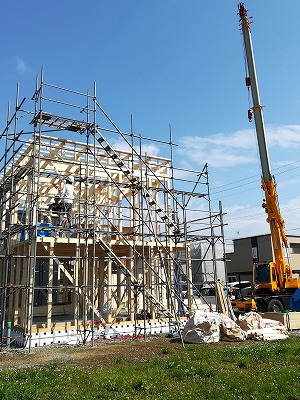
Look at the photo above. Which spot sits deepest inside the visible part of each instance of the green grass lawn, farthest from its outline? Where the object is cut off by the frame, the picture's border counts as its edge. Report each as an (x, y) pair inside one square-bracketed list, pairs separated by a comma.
[(257, 370)]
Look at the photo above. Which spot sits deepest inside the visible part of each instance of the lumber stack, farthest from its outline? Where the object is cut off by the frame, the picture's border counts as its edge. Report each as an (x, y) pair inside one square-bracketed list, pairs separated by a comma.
[(290, 319)]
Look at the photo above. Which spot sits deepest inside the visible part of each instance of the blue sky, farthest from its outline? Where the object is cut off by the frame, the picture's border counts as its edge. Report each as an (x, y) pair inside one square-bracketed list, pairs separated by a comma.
[(180, 63)]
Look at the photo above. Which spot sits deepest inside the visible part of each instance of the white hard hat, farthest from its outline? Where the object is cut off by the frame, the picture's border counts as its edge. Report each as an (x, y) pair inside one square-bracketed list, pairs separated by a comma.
[(70, 178)]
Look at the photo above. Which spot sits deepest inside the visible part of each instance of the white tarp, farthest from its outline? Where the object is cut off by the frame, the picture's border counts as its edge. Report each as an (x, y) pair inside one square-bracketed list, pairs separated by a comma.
[(253, 320), (230, 330), (258, 328), (202, 328), (210, 327)]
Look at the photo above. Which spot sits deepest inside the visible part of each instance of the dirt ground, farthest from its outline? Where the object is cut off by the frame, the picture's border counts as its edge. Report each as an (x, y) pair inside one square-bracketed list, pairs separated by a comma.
[(87, 356), (101, 354)]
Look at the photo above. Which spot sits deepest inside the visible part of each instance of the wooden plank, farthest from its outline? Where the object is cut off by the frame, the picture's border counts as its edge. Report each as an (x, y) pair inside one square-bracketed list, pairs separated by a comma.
[(291, 320), (222, 299)]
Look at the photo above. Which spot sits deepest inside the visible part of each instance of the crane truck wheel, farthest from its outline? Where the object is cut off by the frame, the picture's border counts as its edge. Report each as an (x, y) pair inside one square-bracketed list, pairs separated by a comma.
[(275, 306)]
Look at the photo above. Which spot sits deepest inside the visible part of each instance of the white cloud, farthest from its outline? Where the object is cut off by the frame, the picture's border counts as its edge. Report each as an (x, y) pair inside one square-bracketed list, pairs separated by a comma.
[(290, 182), (234, 156), (246, 220), (286, 136), (235, 208), (21, 66), (237, 148), (150, 149), (220, 150), (291, 214)]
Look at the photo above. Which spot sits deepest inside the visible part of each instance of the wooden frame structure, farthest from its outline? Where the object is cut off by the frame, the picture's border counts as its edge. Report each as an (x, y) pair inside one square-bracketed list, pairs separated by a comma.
[(127, 255)]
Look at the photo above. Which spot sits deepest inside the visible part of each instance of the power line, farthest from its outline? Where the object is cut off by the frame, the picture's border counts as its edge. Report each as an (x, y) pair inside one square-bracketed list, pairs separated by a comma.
[(255, 177)]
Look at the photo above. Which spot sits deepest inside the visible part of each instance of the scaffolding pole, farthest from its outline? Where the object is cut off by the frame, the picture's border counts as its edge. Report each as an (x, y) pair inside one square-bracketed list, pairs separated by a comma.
[(127, 255)]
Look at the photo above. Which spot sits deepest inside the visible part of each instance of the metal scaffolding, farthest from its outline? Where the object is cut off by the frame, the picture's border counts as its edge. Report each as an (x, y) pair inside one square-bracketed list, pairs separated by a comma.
[(127, 255)]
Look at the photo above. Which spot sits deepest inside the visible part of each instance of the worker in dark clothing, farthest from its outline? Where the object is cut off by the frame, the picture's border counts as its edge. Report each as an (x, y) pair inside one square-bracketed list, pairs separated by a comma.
[(67, 197), (56, 209)]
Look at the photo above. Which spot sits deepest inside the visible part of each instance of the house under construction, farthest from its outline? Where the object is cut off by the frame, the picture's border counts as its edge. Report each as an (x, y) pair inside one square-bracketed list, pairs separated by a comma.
[(123, 267)]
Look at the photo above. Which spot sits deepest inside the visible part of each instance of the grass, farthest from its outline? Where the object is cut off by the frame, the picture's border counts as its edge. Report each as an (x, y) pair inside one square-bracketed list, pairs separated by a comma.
[(255, 371)]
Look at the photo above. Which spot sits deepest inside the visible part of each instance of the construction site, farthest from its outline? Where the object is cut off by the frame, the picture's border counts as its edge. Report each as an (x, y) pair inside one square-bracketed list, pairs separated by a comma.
[(130, 255)]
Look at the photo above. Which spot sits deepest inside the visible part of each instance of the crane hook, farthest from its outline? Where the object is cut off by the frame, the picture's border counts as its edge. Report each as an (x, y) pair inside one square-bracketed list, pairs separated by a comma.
[(250, 114)]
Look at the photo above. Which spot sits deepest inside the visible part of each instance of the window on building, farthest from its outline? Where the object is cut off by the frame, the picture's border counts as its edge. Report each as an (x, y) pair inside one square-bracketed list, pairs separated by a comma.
[(295, 248), (254, 253), (231, 278)]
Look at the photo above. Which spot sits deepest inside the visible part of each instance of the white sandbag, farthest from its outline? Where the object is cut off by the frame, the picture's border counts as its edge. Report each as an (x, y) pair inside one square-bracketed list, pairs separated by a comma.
[(271, 323), (258, 328), (202, 328), (251, 320), (230, 330)]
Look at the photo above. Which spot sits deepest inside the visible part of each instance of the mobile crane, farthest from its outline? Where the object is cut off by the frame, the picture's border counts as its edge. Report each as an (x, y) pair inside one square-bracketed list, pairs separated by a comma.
[(273, 281)]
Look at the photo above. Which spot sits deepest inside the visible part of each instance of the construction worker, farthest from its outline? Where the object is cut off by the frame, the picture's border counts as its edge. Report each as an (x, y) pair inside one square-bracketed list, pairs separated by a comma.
[(67, 197), (56, 209)]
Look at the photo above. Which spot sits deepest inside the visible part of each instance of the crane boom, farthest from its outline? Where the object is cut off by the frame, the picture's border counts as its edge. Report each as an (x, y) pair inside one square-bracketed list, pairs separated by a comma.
[(257, 108), (275, 276)]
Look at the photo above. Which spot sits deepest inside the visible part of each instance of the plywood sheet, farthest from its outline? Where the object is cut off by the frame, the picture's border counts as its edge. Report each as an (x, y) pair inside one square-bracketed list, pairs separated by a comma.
[(291, 319)]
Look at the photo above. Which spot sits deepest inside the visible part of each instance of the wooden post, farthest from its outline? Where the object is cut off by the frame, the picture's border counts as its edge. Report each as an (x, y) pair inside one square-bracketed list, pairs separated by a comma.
[(50, 284)]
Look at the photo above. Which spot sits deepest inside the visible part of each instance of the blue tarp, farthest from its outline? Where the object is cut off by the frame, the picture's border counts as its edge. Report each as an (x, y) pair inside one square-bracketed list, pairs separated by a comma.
[(295, 301)]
